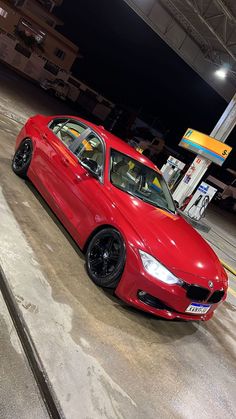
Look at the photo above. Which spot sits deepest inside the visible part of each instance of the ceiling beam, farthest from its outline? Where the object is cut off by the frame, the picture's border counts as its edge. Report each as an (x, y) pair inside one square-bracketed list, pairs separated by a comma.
[(212, 30), (226, 10), (180, 31)]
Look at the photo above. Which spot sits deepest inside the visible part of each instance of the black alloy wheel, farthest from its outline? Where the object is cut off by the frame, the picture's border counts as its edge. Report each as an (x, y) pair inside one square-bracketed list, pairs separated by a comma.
[(105, 258), (22, 158)]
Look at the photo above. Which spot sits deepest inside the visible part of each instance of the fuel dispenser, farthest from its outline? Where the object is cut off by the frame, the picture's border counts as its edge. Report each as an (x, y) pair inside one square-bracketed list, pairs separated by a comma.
[(172, 171), (197, 205)]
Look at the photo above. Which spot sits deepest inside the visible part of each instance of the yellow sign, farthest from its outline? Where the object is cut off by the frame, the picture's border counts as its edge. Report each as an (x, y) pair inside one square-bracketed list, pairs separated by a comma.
[(206, 146)]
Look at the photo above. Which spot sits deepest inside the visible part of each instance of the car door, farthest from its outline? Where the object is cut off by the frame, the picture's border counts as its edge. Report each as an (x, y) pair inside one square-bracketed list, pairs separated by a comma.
[(87, 189), (68, 184), (53, 157), (50, 151)]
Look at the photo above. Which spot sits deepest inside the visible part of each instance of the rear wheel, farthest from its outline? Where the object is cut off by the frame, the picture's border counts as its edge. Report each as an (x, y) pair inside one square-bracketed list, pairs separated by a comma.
[(105, 258), (22, 158)]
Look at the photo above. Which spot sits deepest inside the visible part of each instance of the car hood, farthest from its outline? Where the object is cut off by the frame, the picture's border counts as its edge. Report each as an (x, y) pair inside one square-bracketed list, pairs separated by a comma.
[(171, 240)]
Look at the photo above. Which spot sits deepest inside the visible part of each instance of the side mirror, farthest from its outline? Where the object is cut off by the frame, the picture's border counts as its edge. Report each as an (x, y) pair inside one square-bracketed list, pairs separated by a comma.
[(91, 166)]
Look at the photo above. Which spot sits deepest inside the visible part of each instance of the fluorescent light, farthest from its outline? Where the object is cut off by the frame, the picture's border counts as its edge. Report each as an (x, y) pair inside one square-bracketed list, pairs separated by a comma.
[(3, 13), (221, 73)]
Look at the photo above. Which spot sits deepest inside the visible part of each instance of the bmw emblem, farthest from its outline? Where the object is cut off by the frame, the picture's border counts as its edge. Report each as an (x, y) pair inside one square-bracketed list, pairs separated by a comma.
[(210, 283)]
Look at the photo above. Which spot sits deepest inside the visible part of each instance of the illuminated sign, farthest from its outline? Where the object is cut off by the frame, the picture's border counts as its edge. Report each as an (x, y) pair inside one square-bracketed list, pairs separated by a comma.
[(206, 146)]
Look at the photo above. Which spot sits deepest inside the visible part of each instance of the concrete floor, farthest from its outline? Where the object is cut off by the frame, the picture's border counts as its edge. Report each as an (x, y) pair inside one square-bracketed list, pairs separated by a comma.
[(19, 395), (104, 359), (222, 236)]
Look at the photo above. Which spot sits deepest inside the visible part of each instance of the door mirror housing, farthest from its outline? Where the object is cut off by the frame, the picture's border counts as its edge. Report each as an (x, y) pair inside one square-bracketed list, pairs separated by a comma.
[(91, 166)]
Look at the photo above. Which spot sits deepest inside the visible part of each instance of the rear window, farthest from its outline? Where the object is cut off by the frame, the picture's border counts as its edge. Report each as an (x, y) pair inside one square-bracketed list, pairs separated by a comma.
[(67, 130)]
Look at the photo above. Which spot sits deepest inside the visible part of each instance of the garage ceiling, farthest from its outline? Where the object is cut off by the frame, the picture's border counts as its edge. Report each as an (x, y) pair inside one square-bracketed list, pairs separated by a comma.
[(202, 32)]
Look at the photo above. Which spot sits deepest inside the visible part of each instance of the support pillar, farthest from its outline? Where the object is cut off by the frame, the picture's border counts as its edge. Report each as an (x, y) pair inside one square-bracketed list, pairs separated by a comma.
[(200, 164)]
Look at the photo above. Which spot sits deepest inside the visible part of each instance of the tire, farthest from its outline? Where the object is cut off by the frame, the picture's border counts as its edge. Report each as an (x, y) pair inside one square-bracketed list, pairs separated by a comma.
[(22, 158), (105, 258)]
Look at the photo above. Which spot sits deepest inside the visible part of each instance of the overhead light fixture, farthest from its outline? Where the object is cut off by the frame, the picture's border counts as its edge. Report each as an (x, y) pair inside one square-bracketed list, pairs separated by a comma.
[(221, 73), (3, 13)]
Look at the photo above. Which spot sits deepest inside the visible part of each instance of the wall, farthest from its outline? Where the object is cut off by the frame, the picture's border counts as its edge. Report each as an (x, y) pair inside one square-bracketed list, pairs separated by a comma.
[(12, 19), (52, 41), (32, 63)]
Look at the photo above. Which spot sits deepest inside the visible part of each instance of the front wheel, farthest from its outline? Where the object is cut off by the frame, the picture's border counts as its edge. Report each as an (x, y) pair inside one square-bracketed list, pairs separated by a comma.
[(105, 258), (22, 158)]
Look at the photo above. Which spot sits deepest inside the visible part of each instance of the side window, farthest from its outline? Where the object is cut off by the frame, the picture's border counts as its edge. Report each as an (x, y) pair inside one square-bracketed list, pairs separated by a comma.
[(67, 130), (91, 148)]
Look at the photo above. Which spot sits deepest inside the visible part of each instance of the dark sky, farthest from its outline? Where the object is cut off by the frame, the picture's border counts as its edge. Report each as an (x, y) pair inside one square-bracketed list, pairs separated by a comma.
[(127, 62)]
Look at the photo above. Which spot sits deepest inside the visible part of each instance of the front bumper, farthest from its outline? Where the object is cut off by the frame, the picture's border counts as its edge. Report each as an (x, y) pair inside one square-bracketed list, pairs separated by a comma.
[(169, 301)]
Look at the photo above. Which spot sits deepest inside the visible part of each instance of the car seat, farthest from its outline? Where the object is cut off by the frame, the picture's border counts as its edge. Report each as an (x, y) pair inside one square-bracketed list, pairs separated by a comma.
[(118, 174)]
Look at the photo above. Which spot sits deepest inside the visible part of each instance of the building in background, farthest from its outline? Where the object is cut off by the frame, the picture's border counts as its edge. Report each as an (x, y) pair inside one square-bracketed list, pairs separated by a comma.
[(30, 43)]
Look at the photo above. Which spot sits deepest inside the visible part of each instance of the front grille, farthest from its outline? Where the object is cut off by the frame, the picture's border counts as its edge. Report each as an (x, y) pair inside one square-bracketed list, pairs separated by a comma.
[(196, 293), (216, 297), (152, 301)]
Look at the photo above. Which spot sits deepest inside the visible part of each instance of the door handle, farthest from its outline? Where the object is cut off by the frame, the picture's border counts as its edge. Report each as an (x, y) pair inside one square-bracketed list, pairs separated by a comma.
[(65, 161)]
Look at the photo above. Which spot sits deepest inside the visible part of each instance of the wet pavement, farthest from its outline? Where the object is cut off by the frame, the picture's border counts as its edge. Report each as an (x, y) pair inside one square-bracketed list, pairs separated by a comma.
[(104, 359), (222, 235), (19, 394)]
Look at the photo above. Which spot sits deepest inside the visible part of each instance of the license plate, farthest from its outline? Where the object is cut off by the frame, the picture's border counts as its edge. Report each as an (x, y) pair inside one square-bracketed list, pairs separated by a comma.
[(196, 308)]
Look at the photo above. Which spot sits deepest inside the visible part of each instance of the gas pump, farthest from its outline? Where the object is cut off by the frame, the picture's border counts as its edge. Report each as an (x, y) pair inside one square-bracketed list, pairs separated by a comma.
[(197, 205), (172, 171)]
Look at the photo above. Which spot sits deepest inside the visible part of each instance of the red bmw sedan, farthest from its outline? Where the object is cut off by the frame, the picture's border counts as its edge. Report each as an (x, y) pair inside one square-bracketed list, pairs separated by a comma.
[(117, 207)]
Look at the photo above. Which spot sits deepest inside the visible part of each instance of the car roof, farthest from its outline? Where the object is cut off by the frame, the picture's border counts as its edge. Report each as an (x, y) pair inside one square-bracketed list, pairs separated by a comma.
[(113, 141)]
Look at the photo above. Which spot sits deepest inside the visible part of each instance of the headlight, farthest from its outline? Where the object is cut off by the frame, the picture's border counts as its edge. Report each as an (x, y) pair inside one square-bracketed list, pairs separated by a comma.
[(157, 270)]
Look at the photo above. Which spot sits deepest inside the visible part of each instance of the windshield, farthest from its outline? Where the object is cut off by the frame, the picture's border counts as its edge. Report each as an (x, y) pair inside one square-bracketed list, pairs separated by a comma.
[(140, 181)]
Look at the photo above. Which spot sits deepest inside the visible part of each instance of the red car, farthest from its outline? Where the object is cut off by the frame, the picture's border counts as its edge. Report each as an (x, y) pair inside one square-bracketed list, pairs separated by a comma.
[(117, 207)]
